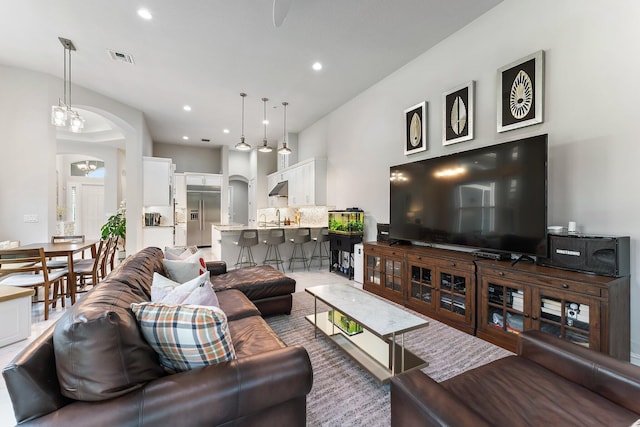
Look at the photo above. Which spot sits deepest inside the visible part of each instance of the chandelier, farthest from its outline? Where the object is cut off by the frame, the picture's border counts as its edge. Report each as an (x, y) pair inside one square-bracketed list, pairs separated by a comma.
[(87, 167), (62, 113)]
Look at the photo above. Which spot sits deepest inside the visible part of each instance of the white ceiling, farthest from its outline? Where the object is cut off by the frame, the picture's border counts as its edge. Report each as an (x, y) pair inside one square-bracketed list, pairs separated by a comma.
[(205, 52)]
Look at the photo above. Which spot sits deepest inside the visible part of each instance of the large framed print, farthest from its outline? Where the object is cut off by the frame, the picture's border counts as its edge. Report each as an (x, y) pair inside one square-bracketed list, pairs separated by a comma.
[(457, 114), (521, 92), (415, 118)]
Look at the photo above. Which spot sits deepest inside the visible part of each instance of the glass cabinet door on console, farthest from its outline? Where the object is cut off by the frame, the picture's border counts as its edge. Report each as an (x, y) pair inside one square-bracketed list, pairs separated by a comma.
[(442, 288), (453, 294), (504, 307), (567, 316), (384, 272), (422, 288)]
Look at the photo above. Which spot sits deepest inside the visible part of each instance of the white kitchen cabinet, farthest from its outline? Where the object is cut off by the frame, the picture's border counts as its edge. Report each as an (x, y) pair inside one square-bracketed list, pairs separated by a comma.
[(157, 236), (156, 181), (180, 237), (214, 180), (180, 184), (307, 183)]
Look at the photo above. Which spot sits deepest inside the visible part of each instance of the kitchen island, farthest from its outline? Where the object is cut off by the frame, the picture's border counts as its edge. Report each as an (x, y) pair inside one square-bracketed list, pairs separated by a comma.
[(223, 238)]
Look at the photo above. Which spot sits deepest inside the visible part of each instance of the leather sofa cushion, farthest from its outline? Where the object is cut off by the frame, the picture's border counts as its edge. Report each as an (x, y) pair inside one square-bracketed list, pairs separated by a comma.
[(253, 336), (99, 350), (236, 305), (255, 282), (517, 391)]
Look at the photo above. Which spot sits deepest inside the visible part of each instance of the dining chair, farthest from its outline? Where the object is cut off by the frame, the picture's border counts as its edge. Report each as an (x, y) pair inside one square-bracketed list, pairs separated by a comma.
[(90, 271), (112, 254), (29, 270)]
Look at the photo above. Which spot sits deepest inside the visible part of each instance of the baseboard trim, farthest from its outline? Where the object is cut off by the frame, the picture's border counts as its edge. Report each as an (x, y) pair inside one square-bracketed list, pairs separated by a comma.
[(635, 359)]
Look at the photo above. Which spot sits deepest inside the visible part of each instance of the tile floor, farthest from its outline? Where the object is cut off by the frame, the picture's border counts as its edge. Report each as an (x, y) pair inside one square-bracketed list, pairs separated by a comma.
[(303, 279)]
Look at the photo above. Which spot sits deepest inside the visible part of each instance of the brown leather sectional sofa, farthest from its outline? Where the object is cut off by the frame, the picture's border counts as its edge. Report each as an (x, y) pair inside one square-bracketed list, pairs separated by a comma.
[(549, 383), (94, 368)]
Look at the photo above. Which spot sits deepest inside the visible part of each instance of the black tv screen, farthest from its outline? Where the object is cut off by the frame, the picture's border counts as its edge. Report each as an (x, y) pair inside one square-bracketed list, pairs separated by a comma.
[(489, 198)]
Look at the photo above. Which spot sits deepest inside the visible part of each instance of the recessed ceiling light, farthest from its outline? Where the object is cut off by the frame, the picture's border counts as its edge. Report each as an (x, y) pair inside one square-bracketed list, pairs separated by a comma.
[(225, 130), (317, 66), (186, 138), (144, 14), (187, 108)]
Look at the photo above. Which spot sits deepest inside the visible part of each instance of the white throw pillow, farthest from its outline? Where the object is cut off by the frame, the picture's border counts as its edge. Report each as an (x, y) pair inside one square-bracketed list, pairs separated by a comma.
[(203, 295), (181, 292), (173, 256), (184, 270)]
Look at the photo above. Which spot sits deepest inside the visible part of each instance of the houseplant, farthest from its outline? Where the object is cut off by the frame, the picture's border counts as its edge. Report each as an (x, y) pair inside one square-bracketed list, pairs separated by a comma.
[(116, 226)]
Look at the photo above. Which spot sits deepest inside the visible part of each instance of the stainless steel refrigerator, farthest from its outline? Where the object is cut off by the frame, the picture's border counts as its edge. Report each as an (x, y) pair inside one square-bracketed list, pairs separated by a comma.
[(203, 210)]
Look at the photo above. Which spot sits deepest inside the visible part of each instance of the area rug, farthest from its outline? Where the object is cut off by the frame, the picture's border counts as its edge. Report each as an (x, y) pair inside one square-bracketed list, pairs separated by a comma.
[(344, 394)]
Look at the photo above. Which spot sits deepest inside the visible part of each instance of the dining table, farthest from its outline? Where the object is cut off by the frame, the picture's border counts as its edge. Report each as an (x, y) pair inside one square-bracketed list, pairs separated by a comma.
[(68, 250)]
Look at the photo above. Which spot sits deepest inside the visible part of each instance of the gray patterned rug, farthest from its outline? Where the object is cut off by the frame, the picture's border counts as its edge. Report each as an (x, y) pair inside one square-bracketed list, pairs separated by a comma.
[(344, 394)]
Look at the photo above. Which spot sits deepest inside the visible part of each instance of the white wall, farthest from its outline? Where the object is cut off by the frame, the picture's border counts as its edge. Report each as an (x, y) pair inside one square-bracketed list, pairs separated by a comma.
[(590, 115), (28, 162)]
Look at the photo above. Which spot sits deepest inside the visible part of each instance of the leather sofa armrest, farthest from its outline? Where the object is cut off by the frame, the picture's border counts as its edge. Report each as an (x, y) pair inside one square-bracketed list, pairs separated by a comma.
[(417, 400), (213, 395), (216, 267), (611, 378), (218, 394)]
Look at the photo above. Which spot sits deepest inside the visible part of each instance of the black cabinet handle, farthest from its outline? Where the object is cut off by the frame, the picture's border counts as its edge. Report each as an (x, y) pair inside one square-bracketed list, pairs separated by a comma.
[(564, 285), (534, 318), (453, 264), (526, 315), (501, 274)]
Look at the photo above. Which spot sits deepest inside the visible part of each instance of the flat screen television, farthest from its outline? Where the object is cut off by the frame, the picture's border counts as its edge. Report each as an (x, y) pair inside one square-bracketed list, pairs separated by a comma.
[(492, 198)]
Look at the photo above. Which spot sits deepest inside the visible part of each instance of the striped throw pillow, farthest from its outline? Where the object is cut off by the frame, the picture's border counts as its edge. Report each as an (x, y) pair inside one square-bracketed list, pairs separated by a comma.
[(185, 336)]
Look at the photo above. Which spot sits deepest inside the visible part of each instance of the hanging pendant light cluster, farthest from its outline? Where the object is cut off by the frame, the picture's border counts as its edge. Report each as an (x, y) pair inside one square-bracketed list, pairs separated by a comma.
[(62, 114), (265, 148), (242, 145), (285, 150)]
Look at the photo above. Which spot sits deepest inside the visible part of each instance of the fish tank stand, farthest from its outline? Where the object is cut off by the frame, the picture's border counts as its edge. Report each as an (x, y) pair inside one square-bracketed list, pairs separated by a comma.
[(345, 231)]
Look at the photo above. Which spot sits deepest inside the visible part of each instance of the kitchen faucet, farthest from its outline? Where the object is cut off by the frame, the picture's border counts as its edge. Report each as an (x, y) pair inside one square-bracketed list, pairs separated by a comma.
[(278, 215)]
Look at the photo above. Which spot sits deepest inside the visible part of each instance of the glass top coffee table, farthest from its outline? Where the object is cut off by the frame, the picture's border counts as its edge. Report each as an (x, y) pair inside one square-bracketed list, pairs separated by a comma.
[(367, 328)]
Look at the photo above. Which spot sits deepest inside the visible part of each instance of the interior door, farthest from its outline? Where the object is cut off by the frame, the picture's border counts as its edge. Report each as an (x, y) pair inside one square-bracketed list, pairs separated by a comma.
[(91, 210)]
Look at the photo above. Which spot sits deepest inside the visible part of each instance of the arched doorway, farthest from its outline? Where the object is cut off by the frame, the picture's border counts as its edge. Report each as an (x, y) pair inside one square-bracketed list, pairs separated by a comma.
[(89, 168), (238, 200)]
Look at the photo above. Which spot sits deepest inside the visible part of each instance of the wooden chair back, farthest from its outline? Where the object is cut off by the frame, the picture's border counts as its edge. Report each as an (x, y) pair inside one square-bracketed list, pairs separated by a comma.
[(68, 239)]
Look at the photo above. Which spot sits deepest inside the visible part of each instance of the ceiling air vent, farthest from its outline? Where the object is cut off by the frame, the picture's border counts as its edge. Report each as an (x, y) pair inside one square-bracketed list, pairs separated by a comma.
[(120, 56)]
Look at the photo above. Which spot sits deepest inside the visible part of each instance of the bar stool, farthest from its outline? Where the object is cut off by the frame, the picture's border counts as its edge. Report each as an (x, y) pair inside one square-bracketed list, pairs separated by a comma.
[(321, 239), (275, 238), (247, 239), (303, 235)]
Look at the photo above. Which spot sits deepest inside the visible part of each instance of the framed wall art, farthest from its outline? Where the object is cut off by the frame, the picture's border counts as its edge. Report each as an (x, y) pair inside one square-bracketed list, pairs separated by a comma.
[(415, 118), (457, 114), (521, 92)]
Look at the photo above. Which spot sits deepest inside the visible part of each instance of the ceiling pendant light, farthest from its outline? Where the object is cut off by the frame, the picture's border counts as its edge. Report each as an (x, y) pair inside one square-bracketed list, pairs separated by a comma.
[(61, 112), (242, 145), (285, 150), (265, 148)]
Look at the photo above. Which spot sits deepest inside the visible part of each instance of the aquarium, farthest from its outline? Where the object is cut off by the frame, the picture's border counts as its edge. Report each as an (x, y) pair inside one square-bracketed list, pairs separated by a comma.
[(346, 222)]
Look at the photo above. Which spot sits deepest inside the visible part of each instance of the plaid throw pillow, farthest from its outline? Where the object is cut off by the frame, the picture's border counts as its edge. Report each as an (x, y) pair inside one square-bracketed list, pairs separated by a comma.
[(185, 336)]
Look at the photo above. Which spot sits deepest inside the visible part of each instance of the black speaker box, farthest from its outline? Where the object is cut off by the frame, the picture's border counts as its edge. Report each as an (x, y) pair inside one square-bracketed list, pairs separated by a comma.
[(605, 255)]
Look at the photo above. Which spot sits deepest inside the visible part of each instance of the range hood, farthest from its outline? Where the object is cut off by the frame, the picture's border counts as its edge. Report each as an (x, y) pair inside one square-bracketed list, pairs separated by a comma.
[(281, 189)]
